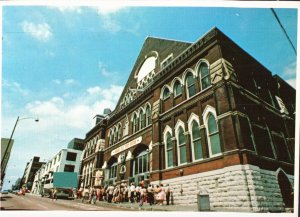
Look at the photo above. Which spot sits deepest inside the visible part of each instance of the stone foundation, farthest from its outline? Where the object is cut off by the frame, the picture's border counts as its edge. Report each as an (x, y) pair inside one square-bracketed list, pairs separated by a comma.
[(235, 188)]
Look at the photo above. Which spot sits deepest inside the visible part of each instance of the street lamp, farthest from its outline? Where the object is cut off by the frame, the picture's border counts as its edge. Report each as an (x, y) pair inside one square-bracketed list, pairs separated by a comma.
[(9, 141)]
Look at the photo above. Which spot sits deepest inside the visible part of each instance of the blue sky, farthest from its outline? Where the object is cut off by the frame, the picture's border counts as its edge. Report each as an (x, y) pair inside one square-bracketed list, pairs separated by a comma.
[(66, 64)]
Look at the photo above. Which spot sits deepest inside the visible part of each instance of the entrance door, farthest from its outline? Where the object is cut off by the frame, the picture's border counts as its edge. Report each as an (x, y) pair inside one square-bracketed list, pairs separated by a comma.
[(286, 190)]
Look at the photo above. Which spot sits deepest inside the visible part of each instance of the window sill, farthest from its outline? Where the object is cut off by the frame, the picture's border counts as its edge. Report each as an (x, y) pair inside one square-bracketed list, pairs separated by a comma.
[(177, 96)]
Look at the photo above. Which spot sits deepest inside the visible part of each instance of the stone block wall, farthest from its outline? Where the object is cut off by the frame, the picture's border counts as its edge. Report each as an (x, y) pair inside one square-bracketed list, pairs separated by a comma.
[(234, 188)]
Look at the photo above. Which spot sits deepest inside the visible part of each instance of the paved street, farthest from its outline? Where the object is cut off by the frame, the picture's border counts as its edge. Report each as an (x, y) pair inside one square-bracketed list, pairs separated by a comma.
[(29, 202)]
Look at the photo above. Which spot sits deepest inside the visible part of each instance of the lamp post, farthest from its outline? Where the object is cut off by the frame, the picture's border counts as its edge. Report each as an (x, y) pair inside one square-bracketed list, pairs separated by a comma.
[(9, 141)]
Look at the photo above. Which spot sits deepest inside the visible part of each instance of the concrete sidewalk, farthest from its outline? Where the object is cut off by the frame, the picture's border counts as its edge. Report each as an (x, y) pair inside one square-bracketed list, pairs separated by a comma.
[(147, 207), (135, 206)]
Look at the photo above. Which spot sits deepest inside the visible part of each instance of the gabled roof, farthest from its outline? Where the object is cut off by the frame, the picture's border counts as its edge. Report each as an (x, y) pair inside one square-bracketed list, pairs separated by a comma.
[(163, 47)]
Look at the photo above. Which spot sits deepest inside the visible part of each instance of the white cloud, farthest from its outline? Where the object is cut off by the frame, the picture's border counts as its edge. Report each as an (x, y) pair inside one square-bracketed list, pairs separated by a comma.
[(41, 31), (71, 9), (107, 14), (46, 108), (108, 9), (15, 87), (70, 82), (66, 82), (292, 82), (77, 114), (94, 90), (111, 25), (103, 69), (56, 81), (290, 71)]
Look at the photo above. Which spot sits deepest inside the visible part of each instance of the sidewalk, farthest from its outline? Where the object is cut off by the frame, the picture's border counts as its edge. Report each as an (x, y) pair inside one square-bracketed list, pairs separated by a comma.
[(135, 206), (146, 206)]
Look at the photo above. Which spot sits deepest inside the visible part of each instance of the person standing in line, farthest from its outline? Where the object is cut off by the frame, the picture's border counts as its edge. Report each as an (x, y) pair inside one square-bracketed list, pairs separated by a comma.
[(110, 192), (168, 193), (102, 193), (94, 196), (85, 195), (116, 194), (143, 193), (91, 195), (98, 193), (138, 193), (125, 193), (162, 194), (150, 195), (132, 192)]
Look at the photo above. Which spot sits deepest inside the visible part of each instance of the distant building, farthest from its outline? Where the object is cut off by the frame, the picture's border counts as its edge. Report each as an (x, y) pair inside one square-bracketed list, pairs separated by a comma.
[(31, 168), (203, 116), (77, 144), (66, 160), (5, 159)]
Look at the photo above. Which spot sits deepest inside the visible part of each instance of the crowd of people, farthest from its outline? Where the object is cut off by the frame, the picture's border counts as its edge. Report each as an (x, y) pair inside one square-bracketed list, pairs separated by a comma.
[(152, 194)]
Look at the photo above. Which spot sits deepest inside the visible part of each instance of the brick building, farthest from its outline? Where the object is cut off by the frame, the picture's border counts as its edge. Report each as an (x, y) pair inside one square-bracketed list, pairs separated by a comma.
[(203, 116)]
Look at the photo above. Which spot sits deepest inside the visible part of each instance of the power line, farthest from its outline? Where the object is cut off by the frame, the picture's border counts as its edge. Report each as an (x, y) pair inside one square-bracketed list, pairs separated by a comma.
[(277, 18)]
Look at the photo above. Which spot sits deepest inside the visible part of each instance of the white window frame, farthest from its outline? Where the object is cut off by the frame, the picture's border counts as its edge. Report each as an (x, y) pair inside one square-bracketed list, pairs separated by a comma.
[(168, 129), (199, 74), (194, 117), (210, 110), (184, 79), (177, 126)]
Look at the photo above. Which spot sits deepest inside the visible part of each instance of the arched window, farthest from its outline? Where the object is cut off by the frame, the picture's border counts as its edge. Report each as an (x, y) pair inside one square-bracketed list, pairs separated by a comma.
[(204, 75), (196, 141), (119, 132), (190, 85), (148, 116), (141, 120), (181, 146), (169, 150), (166, 93), (213, 135), (134, 124), (177, 88)]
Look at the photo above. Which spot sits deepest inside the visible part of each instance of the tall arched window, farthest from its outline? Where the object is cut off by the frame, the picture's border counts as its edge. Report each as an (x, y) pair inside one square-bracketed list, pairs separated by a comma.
[(141, 120), (190, 85), (213, 135), (181, 146), (196, 141), (166, 93), (119, 132), (134, 124), (148, 116), (204, 75), (169, 150), (177, 88)]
